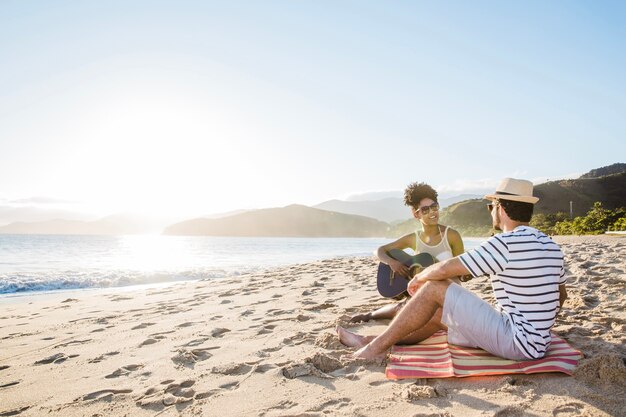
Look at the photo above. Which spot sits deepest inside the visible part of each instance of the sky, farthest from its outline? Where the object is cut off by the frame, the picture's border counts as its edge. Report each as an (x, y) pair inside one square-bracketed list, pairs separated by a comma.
[(198, 107)]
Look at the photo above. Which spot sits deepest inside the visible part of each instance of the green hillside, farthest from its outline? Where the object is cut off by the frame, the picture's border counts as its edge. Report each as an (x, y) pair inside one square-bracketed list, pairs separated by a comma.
[(472, 219)]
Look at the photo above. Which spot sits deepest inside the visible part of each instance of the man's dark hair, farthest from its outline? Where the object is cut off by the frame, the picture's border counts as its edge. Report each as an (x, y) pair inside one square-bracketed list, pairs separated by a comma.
[(416, 192), (518, 211)]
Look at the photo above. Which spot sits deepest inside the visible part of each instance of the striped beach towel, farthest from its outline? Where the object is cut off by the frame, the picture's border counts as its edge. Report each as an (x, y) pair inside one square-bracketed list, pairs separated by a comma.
[(435, 358)]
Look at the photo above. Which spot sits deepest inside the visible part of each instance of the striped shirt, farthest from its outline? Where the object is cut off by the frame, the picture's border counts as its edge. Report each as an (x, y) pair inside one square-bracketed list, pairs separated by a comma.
[(526, 269)]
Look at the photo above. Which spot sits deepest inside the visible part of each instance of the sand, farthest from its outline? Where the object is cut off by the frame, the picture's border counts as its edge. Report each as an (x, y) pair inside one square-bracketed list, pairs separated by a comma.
[(264, 345)]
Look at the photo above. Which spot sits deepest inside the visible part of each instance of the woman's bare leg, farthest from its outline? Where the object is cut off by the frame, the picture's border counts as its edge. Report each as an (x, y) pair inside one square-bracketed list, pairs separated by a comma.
[(383, 313)]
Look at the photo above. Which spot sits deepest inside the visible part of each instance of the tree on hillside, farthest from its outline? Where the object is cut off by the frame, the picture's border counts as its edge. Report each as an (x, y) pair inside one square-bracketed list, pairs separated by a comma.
[(598, 220)]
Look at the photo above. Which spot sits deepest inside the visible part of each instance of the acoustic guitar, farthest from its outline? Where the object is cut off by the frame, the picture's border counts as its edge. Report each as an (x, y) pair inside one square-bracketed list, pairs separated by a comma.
[(392, 285)]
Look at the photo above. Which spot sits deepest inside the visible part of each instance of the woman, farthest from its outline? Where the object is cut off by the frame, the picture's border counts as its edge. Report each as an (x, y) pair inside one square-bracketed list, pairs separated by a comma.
[(440, 241)]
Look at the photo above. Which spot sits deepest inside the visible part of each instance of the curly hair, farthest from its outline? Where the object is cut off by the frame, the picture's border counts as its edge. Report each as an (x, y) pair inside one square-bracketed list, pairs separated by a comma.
[(416, 192)]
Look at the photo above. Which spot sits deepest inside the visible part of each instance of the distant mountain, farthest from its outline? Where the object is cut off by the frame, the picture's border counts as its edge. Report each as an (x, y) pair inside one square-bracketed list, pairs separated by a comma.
[(118, 224), (388, 209), (11, 213), (607, 170), (290, 221)]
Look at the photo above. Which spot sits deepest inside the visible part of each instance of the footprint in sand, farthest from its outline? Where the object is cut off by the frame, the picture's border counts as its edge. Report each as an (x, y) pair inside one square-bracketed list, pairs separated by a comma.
[(511, 411), (569, 409), (189, 357), (196, 342), (283, 405), (118, 298), (56, 359), (231, 369), (187, 324), (154, 338), (230, 385), (124, 370), (73, 342), (15, 411), (147, 342), (302, 317), (323, 306), (157, 398), (142, 326), (334, 405), (105, 394), (102, 357), (219, 332), (10, 384)]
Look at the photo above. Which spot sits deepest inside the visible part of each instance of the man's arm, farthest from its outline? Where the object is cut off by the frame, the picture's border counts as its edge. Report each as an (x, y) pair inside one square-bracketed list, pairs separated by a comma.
[(437, 272)]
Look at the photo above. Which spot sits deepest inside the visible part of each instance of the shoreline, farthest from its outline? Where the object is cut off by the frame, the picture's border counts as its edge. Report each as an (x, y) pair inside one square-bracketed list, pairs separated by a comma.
[(264, 344)]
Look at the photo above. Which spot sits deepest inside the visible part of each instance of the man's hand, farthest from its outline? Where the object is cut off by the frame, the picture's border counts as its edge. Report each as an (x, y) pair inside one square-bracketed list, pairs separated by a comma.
[(414, 286)]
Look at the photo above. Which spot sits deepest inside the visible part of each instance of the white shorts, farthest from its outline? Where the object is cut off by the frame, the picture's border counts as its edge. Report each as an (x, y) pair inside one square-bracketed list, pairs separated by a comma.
[(473, 322)]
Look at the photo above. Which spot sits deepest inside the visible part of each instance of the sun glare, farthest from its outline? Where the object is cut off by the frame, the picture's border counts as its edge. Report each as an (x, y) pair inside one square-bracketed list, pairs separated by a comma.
[(151, 253), (167, 155)]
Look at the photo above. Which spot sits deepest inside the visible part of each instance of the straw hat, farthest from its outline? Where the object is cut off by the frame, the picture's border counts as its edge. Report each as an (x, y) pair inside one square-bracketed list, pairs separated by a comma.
[(514, 190)]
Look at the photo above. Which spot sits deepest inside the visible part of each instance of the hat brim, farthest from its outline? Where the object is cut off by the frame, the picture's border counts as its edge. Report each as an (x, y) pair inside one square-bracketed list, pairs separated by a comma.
[(520, 198)]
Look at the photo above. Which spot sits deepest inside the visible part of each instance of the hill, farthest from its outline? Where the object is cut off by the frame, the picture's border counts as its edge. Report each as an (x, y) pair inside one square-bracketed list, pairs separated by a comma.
[(471, 218), (607, 170), (290, 221), (555, 196)]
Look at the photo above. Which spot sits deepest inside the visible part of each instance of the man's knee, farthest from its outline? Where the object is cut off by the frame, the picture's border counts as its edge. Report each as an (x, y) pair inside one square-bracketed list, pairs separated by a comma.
[(436, 290)]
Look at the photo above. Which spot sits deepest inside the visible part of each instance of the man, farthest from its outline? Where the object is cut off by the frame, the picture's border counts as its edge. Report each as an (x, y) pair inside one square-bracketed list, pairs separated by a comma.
[(527, 276)]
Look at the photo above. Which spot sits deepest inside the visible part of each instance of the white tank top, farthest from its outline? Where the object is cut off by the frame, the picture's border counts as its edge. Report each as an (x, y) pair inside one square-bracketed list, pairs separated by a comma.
[(441, 251)]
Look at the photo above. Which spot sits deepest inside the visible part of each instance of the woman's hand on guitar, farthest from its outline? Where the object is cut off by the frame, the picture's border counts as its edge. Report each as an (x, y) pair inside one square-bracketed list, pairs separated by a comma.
[(399, 268)]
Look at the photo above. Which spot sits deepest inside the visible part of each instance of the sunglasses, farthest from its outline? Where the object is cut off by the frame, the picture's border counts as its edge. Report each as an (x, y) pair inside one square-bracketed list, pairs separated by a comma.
[(490, 206), (428, 209)]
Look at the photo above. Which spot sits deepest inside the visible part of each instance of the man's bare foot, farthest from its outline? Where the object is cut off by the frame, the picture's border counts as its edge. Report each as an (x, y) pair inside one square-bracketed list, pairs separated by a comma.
[(366, 353), (361, 317), (352, 339)]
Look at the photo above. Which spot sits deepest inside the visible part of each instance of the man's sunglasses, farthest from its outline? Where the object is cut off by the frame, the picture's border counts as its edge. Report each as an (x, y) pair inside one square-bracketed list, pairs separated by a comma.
[(427, 209), (490, 206)]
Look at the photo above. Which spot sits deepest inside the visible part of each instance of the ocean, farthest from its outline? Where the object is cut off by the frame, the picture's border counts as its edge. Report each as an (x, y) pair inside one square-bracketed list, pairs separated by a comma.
[(35, 263)]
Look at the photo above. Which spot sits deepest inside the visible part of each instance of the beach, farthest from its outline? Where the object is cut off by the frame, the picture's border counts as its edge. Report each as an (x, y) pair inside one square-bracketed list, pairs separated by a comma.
[(264, 344)]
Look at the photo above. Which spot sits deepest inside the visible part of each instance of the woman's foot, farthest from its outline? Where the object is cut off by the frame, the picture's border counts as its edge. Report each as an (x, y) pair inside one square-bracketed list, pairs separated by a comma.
[(352, 339), (361, 317)]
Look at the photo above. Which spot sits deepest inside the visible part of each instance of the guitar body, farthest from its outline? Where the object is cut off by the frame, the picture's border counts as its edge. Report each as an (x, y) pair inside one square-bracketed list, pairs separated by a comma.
[(391, 285)]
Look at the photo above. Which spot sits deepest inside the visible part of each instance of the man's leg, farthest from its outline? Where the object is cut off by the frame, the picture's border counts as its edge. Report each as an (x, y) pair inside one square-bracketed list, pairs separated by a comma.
[(355, 340), (418, 312)]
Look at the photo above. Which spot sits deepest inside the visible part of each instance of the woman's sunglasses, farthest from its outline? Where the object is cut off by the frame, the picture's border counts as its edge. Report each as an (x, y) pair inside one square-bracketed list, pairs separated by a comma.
[(427, 209)]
